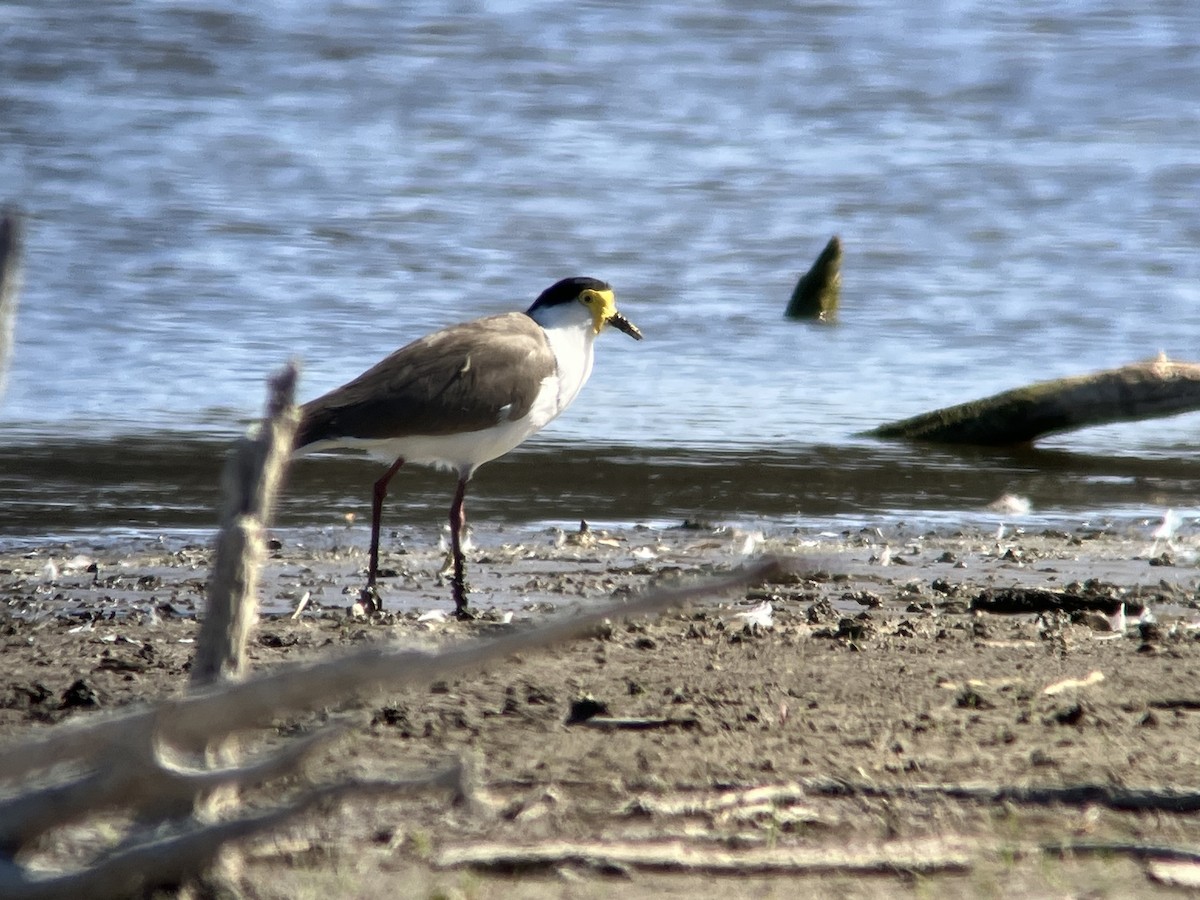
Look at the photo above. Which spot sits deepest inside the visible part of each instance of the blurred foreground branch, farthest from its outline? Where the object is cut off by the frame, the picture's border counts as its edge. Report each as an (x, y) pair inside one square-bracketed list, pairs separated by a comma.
[(250, 482), (161, 763)]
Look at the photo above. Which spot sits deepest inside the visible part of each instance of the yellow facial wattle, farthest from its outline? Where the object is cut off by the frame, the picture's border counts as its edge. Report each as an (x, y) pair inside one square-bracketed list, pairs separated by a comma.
[(603, 306)]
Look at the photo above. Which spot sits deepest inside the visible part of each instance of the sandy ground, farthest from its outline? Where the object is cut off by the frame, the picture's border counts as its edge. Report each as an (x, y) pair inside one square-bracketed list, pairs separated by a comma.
[(873, 735)]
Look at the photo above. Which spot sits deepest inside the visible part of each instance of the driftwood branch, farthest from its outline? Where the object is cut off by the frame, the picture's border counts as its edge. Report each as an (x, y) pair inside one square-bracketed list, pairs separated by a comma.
[(1144, 390), (233, 707), (168, 764), (910, 857), (10, 285), (168, 861), (147, 780), (818, 292), (138, 761), (790, 801), (140, 780), (1166, 799), (138, 769), (251, 480)]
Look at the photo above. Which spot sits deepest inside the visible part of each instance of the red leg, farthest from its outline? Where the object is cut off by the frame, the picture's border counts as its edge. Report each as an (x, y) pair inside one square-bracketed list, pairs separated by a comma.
[(376, 514), (458, 520)]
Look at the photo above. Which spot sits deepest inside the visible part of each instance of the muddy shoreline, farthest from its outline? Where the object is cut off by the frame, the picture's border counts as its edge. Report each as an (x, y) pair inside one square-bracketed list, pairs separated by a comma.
[(734, 725)]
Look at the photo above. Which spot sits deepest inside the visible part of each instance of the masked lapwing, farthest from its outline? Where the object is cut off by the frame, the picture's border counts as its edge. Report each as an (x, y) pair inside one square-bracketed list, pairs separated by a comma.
[(464, 395)]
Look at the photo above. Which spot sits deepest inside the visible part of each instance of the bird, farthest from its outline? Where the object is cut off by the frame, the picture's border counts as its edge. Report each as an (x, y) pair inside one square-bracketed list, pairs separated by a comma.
[(462, 396)]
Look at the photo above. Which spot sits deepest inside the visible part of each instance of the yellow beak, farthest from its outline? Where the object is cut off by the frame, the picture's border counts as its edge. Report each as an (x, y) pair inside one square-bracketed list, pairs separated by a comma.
[(605, 313)]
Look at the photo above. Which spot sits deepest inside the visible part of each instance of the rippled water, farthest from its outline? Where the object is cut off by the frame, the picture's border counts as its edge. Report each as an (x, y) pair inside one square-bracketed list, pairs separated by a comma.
[(214, 187)]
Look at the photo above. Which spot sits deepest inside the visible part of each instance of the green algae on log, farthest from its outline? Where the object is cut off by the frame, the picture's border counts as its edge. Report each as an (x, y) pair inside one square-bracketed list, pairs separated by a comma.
[(818, 292), (1143, 390)]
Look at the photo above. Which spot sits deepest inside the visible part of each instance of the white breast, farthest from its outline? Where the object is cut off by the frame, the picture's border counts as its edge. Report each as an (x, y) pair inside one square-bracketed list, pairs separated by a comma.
[(572, 344)]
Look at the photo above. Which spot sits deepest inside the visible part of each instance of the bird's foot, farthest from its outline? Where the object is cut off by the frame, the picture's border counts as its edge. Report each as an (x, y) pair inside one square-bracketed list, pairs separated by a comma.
[(461, 611), (447, 569), (369, 600)]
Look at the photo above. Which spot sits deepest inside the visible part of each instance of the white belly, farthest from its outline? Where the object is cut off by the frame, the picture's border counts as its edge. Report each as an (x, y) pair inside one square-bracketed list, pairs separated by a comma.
[(461, 452)]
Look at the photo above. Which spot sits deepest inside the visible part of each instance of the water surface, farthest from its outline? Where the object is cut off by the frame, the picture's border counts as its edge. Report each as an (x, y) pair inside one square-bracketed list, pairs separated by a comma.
[(214, 188)]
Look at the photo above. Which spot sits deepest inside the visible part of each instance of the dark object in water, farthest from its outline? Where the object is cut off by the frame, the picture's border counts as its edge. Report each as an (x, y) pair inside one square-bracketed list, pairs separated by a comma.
[(1144, 390), (819, 290)]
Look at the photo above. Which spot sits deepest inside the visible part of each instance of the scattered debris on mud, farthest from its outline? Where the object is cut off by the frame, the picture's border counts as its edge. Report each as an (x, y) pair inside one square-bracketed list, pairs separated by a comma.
[(953, 711)]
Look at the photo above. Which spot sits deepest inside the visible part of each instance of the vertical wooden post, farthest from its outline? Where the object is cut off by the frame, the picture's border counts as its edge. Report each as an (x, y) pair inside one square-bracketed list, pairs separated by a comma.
[(10, 285), (250, 482)]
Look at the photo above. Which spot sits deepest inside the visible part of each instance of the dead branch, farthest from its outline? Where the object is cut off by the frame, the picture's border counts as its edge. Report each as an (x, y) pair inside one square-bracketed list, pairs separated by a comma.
[(138, 779), (138, 764), (226, 709), (705, 803), (137, 760), (168, 861), (251, 480), (917, 857), (1122, 848), (1144, 390), (221, 710), (1166, 799)]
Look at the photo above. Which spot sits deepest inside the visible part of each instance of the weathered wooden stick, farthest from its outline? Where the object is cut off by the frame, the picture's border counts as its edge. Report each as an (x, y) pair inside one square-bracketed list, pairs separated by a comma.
[(251, 481), (1123, 848), (1161, 799), (231, 707), (10, 285), (819, 290), (697, 803), (133, 768), (133, 871), (915, 856), (133, 777), (640, 723), (1144, 390), (127, 754)]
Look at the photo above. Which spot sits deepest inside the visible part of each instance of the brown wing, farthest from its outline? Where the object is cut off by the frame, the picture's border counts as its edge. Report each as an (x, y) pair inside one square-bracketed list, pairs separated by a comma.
[(463, 378)]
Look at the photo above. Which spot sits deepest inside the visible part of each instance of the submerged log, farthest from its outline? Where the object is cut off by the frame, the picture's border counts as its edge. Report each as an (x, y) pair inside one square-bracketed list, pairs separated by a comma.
[(819, 290), (1144, 390)]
